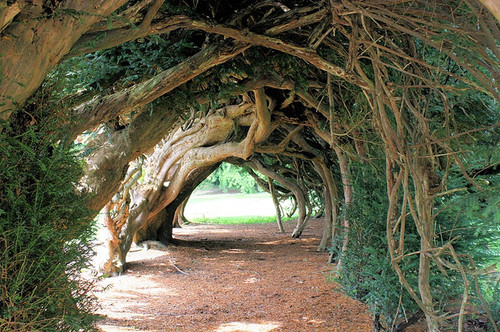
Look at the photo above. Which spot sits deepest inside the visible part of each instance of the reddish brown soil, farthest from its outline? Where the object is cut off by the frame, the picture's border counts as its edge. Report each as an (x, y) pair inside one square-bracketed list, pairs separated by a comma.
[(230, 278)]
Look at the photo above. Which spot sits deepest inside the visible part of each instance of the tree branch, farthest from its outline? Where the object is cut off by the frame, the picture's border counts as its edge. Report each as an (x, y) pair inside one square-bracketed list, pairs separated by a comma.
[(95, 112)]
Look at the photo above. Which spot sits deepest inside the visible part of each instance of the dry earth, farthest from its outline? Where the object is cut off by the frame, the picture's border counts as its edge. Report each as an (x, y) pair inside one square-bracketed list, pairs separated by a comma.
[(230, 278)]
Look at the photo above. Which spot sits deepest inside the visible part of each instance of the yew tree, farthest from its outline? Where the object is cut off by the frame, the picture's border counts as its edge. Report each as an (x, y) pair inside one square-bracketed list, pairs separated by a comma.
[(156, 94)]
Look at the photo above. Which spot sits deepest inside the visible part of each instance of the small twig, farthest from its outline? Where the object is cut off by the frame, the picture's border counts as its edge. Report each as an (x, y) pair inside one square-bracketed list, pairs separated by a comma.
[(397, 310), (177, 268)]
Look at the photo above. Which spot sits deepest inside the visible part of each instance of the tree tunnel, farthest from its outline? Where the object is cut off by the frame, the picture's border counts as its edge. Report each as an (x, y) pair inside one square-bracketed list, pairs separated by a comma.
[(294, 161), (329, 101)]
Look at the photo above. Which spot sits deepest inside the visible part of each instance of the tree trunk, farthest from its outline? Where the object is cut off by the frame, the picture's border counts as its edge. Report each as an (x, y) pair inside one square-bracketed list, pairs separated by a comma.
[(180, 218), (114, 149), (163, 233), (123, 236), (346, 183), (377, 327), (493, 6), (177, 166), (297, 192), (425, 227), (276, 203), (40, 38), (326, 237), (330, 228)]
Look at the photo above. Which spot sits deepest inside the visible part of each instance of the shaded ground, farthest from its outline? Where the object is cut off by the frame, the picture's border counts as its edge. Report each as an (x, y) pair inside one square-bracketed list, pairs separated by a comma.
[(230, 278)]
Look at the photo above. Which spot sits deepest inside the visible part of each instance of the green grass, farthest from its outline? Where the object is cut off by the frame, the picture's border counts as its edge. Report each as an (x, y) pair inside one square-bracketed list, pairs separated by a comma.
[(209, 207), (231, 208), (237, 220)]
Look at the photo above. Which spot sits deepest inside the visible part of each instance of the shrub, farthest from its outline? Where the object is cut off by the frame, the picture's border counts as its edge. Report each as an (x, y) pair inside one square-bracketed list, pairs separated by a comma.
[(44, 231), (366, 273), (471, 218)]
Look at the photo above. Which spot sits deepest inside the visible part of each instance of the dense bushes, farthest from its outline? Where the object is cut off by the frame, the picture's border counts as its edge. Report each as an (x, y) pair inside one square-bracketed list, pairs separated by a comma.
[(44, 231), (367, 274), (228, 176)]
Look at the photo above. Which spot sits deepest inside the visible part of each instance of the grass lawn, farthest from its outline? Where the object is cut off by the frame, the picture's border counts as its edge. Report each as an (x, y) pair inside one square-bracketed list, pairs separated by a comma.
[(230, 208)]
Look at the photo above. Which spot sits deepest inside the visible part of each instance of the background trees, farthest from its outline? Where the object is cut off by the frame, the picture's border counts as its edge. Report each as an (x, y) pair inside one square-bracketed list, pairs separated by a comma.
[(299, 91)]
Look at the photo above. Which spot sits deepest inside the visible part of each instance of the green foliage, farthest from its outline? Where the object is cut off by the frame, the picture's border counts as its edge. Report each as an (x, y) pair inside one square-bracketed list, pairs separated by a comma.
[(366, 273), (125, 64), (228, 176), (470, 218), (44, 235)]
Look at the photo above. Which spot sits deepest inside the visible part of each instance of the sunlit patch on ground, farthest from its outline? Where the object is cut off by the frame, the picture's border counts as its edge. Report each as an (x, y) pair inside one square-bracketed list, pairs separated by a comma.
[(251, 280), (123, 304), (234, 251), (108, 328), (193, 230), (248, 327), (314, 321)]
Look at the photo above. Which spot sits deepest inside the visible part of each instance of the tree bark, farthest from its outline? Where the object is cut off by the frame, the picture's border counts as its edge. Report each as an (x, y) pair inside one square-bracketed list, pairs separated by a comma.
[(493, 6), (346, 184), (425, 227), (35, 40), (179, 217), (163, 231), (112, 150), (330, 228), (182, 162), (276, 203)]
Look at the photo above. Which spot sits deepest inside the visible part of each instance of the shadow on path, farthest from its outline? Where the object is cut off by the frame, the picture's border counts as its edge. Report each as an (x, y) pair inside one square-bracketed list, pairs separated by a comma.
[(230, 278)]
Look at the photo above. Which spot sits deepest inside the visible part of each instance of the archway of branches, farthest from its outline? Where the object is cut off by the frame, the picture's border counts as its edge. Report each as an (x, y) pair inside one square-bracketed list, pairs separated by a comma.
[(354, 86), (299, 92)]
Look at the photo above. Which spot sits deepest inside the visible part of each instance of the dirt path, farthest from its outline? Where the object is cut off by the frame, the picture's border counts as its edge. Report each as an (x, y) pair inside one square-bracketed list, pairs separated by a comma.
[(230, 278)]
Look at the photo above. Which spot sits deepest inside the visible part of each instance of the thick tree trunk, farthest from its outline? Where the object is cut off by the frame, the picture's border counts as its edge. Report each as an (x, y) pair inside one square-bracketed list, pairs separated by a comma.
[(123, 236), (113, 150), (140, 227), (37, 39), (163, 231), (186, 158)]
